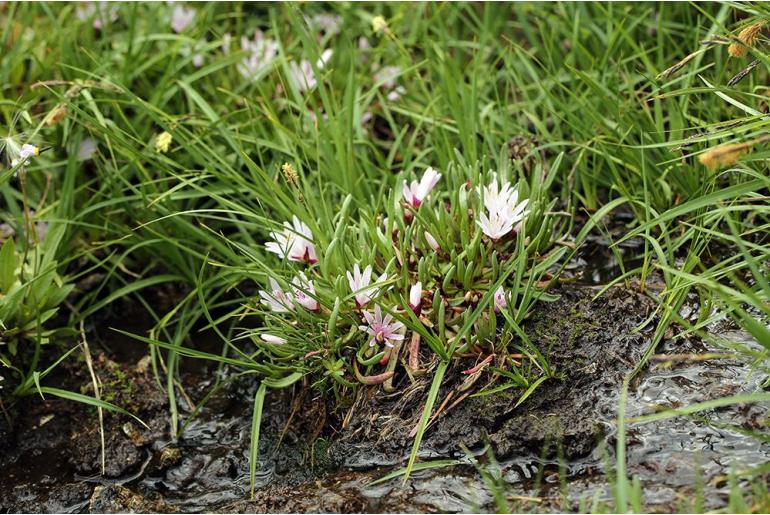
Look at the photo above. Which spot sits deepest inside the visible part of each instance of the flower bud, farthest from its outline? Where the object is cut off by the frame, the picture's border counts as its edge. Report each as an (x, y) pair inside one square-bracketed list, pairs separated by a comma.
[(432, 241)]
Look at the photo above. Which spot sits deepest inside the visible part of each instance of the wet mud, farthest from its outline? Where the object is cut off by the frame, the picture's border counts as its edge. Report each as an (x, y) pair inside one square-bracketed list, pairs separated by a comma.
[(552, 450)]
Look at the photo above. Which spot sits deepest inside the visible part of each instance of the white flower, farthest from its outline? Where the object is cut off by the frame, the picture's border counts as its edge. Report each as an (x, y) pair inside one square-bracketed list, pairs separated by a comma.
[(103, 10), (500, 199), (260, 53), (415, 297), (328, 23), (19, 154), (302, 74), (503, 207), (28, 151), (277, 299), (271, 338), (432, 241), (396, 94), (304, 292), (359, 284), (196, 50), (181, 18), (387, 76), (383, 330), (294, 243), (227, 40), (87, 149), (415, 193), (495, 226), (500, 300)]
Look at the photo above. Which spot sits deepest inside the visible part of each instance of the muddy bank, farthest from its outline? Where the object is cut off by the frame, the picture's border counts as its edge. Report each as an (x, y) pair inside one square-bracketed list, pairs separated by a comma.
[(50, 460)]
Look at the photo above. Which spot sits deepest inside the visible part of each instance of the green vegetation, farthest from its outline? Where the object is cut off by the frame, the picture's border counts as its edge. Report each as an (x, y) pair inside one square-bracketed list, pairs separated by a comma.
[(252, 156)]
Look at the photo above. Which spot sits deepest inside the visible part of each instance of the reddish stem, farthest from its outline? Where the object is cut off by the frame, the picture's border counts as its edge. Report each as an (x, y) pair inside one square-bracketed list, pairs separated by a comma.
[(376, 379), (478, 367), (414, 351)]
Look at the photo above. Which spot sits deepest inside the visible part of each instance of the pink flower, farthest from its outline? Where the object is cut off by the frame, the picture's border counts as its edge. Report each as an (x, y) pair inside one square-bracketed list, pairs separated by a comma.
[(415, 193), (181, 18), (500, 300), (271, 338), (304, 292), (359, 284), (415, 297), (382, 330), (294, 243), (277, 299)]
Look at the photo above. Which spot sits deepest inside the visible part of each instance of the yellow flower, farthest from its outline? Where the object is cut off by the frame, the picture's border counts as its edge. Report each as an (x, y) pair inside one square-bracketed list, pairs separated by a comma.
[(379, 25), (162, 142)]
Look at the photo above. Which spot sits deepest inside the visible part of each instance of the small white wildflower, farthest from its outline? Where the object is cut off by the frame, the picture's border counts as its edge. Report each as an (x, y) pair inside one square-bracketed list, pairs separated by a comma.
[(87, 149), (19, 154), (396, 94), (106, 12), (416, 193), (294, 242), (197, 51), (432, 241), (359, 284), (227, 40), (271, 338), (387, 76), (277, 299), (330, 24), (504, 209), (181, 18), (260, 53), (302, 74), (304, 292), (500, 300), (415, 297)]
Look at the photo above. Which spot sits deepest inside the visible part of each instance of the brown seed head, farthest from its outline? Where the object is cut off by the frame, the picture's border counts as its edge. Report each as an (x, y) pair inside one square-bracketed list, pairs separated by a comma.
[(726, 155), (748, 37)]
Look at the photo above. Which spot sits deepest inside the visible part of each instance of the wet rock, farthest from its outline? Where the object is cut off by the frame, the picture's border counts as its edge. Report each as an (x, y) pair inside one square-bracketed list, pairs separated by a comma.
[(118, 499)]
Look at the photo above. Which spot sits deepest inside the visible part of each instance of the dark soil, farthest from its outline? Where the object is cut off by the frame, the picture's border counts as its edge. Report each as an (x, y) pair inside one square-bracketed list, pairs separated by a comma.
[(51, 461)]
